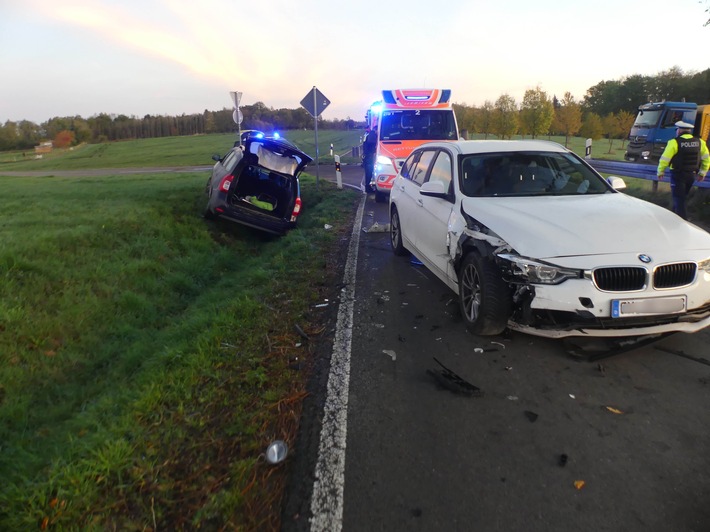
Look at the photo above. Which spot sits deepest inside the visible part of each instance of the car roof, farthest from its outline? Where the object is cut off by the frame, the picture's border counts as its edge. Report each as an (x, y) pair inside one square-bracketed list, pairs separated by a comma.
[(468, 147)]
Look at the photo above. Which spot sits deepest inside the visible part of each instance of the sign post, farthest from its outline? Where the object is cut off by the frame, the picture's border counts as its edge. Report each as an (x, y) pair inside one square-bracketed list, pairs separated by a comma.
[(315, 103)]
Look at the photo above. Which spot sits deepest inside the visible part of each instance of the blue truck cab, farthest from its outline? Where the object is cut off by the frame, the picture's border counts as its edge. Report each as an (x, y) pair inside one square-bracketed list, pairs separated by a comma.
[(654, 127)]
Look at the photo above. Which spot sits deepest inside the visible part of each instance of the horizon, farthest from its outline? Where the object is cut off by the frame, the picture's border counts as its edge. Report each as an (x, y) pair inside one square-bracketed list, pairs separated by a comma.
[(166, 58)]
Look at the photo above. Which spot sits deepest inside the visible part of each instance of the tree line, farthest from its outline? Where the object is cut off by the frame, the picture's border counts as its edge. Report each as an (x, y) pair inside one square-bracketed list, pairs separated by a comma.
[(607, 109)]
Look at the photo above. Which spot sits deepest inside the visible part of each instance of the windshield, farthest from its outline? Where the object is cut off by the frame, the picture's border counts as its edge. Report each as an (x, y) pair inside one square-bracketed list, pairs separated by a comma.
[(647, 118), (528, 174), (413, 124)]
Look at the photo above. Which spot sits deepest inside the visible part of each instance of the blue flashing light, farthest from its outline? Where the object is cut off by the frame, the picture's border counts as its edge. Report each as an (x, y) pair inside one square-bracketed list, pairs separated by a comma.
[(376, 108), (276, 135), (259, 135)]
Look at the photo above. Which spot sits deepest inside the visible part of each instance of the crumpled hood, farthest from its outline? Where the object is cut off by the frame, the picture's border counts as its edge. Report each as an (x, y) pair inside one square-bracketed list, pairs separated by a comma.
[(565, 226)]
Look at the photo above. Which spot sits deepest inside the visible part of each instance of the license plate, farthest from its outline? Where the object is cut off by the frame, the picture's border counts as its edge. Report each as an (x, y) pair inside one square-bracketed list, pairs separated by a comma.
[(647, 307)]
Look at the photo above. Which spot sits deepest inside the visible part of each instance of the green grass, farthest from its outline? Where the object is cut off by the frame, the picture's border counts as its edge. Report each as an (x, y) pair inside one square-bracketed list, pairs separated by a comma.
[(145, 354), (194, 150)]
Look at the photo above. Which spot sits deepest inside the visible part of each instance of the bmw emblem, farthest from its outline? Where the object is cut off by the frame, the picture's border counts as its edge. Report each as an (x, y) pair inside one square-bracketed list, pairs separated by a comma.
[(644, 258)]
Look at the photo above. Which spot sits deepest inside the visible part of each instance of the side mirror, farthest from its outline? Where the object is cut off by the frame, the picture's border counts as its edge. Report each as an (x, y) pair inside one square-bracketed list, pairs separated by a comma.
[(616, 182), (216, 158), (434, 189)]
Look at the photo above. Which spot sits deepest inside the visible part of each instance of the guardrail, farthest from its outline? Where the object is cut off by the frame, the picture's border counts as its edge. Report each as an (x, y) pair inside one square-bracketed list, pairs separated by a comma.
[(640, 171)]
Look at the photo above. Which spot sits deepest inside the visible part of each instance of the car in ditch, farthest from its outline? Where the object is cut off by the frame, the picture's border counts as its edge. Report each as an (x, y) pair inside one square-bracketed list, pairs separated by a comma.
[(256, 184), (533, 239)]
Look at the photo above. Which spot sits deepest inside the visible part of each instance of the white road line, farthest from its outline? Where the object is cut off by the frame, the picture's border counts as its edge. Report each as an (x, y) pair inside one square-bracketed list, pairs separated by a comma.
[(327, 501)]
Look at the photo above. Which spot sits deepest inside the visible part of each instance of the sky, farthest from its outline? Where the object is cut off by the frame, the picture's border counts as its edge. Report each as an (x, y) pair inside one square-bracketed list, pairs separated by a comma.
[(169, 57)]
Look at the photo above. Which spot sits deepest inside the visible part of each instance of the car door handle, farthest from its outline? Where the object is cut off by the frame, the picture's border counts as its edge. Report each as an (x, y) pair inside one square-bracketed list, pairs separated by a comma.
[(420, 203)]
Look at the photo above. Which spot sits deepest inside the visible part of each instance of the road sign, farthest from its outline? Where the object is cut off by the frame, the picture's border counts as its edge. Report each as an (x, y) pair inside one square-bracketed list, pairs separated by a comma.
[(237, 116), (315, 102), (236, 97)]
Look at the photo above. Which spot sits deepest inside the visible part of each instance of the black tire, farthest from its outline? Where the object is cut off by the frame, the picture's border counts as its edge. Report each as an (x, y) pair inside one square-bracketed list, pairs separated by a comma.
[(484, 298), (380, 197), (396, 234)]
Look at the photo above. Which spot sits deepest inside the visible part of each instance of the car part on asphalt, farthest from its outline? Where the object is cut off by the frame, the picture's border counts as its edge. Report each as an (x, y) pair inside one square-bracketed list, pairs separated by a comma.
[(451, 381)]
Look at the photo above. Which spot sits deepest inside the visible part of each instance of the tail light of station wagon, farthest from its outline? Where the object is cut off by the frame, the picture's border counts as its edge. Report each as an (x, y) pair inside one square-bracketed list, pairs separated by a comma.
[(226, 181)]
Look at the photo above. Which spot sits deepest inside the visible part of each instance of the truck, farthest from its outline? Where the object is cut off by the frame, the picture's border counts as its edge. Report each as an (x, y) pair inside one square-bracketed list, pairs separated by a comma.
[(655, 126), (405, 119)]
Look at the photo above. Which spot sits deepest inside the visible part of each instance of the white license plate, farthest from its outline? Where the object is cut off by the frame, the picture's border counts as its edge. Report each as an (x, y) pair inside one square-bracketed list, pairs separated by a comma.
[(647, 307)]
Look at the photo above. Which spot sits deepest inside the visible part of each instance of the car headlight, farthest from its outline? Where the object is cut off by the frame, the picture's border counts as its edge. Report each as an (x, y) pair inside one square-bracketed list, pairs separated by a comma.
[(704, 265), (383, 160), (537, 272)]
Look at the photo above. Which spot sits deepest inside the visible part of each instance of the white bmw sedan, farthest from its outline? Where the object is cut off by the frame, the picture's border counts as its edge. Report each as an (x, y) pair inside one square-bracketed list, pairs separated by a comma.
[(533, 239)]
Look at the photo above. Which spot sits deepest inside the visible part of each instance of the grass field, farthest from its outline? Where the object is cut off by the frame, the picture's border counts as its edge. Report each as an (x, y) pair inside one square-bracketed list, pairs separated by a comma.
[(147, 357), (195, 150)]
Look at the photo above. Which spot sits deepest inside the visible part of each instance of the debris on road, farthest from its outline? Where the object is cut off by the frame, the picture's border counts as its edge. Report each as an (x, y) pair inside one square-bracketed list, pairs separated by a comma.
[(416, 261), (390, 353), (579, 484), (532, 416), (451, 381), (562, 460), (614, 410), (377, 228)]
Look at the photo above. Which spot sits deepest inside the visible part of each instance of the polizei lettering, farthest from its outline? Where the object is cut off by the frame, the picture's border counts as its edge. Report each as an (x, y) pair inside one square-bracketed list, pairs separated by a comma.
[(690, 144)]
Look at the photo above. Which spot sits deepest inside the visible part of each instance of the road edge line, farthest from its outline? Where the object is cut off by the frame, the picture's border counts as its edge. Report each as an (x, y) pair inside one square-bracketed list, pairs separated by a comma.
[(329, 484)]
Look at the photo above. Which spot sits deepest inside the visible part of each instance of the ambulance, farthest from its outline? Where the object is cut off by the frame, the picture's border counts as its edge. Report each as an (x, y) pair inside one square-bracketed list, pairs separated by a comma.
[(406, 119)]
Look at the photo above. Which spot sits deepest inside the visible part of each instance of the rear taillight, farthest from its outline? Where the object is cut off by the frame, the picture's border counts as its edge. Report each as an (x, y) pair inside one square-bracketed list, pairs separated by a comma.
[(226, 181), (296, 210)]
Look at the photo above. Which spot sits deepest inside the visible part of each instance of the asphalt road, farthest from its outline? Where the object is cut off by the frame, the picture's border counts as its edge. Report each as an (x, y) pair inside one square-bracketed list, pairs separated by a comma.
[(554, 442)]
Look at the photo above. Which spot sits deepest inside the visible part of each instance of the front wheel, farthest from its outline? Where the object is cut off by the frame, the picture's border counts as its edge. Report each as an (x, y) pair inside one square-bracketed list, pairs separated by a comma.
[(396, 234), (484, 297)]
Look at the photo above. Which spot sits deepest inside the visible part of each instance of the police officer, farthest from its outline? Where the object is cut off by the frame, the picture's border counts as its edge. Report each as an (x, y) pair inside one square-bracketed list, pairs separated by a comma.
[(369, 147), (689, 159)]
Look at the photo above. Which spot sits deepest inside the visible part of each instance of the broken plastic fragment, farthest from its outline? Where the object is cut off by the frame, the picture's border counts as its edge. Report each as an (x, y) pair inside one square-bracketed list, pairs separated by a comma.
[(453, 382), (614, 410), (532, 416), (512, 398), (579, 484), (327, 227), (477, 350), (562, 460), (276, 452), (572, 396), (390, 353), (416, 261), (498, 343), (377, 228)]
